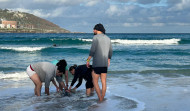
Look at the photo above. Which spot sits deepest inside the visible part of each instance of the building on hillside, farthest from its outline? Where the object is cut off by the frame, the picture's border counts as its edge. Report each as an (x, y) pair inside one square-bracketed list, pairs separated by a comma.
[(2, 26), (10, 24)]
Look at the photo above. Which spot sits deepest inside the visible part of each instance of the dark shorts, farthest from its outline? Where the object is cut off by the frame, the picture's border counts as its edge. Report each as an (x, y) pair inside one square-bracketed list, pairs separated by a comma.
[(89, 84), (99, 70), (59, 79), (88, 78)]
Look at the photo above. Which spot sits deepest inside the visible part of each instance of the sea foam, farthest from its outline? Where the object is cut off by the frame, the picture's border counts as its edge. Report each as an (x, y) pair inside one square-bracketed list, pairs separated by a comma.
[(16, 76), (29, 49), (143, 42)]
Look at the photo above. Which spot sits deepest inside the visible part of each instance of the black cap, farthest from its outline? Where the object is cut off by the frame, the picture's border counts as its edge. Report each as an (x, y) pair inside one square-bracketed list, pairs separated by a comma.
[(99, 27)]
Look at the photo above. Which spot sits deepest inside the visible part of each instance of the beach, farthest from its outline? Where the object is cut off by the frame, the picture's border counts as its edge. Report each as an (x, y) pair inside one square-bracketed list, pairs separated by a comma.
[(148, 72)]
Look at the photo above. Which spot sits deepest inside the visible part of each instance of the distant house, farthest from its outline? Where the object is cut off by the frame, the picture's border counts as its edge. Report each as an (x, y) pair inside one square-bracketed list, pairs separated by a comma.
[(2, 26), (10, 24)]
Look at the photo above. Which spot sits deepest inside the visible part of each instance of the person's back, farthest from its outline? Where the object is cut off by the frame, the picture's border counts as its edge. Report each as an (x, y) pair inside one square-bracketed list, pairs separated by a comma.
[(45, 70), (42, 72), (102, 45)]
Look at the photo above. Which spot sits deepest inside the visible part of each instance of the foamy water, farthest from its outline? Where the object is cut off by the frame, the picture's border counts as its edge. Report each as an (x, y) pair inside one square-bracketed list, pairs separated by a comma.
[(23, 48), (16, 76), (148, 72), (143, 42)]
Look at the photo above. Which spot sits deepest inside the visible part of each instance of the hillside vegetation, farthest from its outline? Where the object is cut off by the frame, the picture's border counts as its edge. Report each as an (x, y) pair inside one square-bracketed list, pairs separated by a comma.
[(26, 20)]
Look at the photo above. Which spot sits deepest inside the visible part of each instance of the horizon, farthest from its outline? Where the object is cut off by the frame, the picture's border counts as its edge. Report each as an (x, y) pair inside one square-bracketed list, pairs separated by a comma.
[(117, 16)]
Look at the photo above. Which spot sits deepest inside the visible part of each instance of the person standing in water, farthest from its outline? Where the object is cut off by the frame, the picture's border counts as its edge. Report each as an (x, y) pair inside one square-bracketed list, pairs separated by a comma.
[(44, 72), (82, 72), (101, 52)]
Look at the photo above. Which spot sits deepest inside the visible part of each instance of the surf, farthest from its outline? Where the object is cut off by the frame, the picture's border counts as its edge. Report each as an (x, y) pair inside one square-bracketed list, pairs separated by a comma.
[(143, 42), (22, 49), (13, 76)]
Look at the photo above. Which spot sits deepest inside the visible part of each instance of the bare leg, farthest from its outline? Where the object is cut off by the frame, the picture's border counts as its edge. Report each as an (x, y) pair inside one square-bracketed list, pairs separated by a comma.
[(96, 86), (60, 86), (35, 91), (92, 90), (88, 91), (38, 84), (103, 80)]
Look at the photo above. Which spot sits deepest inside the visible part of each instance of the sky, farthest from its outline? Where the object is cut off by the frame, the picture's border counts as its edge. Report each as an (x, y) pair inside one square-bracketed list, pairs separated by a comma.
[(117, 16)]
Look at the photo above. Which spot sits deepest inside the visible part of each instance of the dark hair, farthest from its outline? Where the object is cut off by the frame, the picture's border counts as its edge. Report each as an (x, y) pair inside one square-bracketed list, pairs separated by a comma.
[(61, 65), (72, 67), (100, 27)]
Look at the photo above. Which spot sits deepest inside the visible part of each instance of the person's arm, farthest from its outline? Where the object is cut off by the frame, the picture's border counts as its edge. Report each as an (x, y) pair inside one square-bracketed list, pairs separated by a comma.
[(47, 84), (88, 61), (57, 88), (66, 78), (73, 81), (79, 83), (47, 90), (108, 62), (110, 54), (92, 51)]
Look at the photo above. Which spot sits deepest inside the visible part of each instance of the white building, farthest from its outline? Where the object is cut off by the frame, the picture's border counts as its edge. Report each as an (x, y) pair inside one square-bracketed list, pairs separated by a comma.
[(2, 26), (8, 25)]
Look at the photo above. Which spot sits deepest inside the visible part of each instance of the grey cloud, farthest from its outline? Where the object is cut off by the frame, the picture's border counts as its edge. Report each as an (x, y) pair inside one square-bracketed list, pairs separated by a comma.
[(138, 1), (82, 15)]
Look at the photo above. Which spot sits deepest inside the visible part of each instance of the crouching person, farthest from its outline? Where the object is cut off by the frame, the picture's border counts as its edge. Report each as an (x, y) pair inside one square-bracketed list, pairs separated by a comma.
[(43, 72), (82, 72)]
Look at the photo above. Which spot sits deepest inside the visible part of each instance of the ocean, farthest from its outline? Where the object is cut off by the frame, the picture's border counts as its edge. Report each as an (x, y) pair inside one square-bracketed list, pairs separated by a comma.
[(148, 72)]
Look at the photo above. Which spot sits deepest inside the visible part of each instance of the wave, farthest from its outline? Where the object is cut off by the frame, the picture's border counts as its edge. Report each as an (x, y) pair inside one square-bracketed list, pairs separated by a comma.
[(83, 41), (143, 42), (49, 41), (23, 49), (16, 76), (147, 42)]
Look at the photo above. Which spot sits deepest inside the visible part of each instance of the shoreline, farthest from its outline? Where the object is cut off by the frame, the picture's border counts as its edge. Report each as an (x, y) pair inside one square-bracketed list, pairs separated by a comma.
[(31, 31)]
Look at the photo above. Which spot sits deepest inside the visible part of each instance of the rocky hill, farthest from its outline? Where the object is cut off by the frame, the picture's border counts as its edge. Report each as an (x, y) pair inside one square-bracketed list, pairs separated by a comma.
[(29, 23)]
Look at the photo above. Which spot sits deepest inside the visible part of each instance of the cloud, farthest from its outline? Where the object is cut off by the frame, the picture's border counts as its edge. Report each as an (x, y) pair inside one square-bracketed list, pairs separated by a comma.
[(115, 10), (132, 24), (40, 13), (1, 1), (58, 2), (179, 24), (140, 3), (112, 10), (69, 2), (158, 24), (179, 6), (118, 15), (92, 3), (155, 18)]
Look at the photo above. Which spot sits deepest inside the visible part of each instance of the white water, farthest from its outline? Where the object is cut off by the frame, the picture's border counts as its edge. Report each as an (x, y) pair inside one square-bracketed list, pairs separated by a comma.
[(22, 49), (15, 76), (143, 42)]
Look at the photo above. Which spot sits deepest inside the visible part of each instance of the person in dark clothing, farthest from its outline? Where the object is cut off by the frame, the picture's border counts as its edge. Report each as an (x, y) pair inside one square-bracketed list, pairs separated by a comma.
[(82, 72)]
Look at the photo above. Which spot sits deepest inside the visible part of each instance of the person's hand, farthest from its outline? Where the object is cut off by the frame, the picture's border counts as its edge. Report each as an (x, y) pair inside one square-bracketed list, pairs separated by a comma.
[(67, 86), (88, 64), (73, 90), (108, 62), (57, 88), (67, 90)]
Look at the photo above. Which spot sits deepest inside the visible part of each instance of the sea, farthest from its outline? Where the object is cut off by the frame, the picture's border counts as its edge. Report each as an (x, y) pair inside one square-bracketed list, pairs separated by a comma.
[(148, 72)]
